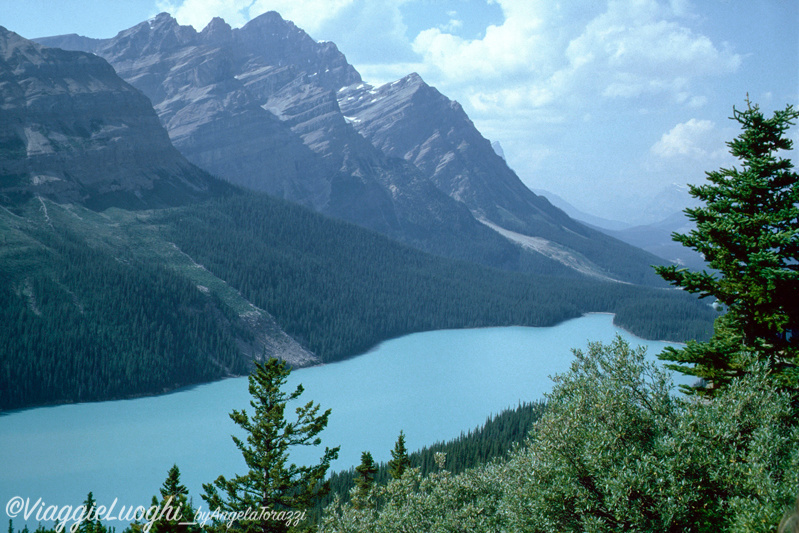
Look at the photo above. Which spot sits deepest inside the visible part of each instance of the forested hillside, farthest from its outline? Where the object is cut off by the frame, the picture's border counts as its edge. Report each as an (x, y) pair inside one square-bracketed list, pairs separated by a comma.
[(80, 323), (339, 289), (115, 304)]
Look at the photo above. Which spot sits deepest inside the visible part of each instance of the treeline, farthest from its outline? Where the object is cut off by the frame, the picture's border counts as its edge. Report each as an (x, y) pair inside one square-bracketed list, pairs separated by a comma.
[(86, 326), (481, 445), (340, 290)]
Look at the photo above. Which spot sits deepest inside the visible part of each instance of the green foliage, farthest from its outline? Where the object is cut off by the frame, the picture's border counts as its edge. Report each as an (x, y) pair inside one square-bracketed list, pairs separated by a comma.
[(271, 484), (748, 232), (399, 458), (615, 451), (175, 513), (365, 479), (91, 526), (437, 503), (479, 446), (82, 325)]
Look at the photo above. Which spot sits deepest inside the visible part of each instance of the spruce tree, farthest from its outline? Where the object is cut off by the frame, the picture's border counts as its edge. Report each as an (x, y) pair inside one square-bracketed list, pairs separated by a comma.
[(272, 484), (364, 479), (178, 516), (399, 458), (89, 526), (748, 232)]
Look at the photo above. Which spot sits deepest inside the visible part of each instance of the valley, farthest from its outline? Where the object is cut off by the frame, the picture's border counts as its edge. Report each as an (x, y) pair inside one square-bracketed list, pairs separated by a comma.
[(124, 255), (230, 257)]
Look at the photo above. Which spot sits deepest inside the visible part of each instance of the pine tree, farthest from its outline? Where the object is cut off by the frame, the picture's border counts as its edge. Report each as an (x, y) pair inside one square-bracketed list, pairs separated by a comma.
[(271, 484), (365, 479), (748, 232), (399, 458), (175, 512), (90, 504)]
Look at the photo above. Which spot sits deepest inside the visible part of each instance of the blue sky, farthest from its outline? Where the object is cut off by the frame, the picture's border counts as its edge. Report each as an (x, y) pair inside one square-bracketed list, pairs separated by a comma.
[(605, 103)]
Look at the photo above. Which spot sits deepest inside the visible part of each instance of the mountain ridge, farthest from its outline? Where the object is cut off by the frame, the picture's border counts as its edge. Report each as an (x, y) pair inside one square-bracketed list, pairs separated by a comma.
[(109, 292), (223, 94), (72, 130)]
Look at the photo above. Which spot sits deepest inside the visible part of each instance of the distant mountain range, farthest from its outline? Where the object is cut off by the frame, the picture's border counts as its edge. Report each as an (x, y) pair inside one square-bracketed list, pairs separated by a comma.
[(655, 237), (266, 107)]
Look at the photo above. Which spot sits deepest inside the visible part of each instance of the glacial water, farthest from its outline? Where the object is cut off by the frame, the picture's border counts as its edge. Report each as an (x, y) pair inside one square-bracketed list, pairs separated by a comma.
[(431, 385)]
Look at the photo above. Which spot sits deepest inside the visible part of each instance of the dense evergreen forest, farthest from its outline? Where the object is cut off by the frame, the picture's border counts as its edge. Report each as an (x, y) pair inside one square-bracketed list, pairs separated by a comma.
[(481, 445), (340, 289), (88, 326), (116, 304)]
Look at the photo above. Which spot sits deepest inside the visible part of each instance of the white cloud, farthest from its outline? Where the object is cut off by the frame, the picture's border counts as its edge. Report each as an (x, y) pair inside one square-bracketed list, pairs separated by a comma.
[(513, 48), (198, 13), (687, 139), (634, 48), (310, 15), (577, 92)]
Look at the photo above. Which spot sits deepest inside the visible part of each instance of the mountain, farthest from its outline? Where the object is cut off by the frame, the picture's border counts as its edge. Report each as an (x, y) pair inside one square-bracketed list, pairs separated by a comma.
[(121, 303), (257, 106), (656, 238), (266, 107), (73, 131), (126, 270), (594, 221), (412, 120)]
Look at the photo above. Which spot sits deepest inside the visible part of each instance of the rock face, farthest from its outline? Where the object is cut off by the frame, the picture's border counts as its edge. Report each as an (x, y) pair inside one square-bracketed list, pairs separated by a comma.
[(411, 120), (268, 108), (258, 107), (72, 130)]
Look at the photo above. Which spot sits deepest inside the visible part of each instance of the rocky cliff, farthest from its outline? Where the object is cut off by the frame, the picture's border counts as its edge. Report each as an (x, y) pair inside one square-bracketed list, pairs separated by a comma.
[(258, 107), (414, 121), (267, 107), (72, 130)]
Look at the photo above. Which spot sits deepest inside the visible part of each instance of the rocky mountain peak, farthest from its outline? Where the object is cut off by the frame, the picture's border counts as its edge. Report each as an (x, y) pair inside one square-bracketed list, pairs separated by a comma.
[(17, 51), (73, 131), (161, 33), (267, 110), (217, 31), (278, 42)]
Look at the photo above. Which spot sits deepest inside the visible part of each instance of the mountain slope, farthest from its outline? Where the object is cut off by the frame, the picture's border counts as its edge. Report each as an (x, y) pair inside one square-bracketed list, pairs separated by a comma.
[(73, 131), (119, 303), (411, 120), (259, 107), (104, 297)]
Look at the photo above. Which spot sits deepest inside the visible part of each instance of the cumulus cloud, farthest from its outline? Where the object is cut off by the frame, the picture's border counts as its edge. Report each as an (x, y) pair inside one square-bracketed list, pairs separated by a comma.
[(687, 139), (513, 48), (579, 90), (632, 48)]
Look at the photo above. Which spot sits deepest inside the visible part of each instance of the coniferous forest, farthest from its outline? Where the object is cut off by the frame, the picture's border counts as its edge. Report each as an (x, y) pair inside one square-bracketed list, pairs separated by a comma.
[(181, 206), (120, 304)]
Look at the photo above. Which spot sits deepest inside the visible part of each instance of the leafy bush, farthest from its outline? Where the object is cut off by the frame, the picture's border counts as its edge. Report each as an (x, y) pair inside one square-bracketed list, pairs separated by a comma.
[(616, 450)]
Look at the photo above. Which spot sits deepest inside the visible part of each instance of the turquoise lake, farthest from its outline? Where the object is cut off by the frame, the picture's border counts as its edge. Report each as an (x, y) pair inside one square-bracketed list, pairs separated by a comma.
[(431, 385)]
